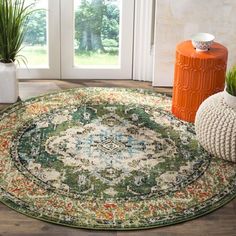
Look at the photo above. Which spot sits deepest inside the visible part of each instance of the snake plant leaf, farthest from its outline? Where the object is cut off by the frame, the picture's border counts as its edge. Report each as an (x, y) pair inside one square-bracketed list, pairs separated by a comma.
[(231, 81), (14, 15)]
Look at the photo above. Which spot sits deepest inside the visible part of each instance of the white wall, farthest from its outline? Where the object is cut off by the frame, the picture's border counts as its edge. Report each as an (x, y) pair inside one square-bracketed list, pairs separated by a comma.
[(177, 20)]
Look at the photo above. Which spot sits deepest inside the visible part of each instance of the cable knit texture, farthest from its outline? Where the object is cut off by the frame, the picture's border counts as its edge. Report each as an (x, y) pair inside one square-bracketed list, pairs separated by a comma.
[(216, 127)]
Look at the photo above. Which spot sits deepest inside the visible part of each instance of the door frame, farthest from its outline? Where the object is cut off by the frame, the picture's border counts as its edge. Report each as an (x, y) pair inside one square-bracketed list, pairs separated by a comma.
[(140, 64), (122, 71), (52, 71)]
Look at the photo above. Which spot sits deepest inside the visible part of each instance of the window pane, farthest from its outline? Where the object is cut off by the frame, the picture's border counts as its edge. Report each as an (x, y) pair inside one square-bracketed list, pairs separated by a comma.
[(97, 31), (36, 43)]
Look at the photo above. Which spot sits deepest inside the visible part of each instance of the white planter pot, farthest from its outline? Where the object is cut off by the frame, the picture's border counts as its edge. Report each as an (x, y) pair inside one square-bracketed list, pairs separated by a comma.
[(9, 88), (215, 126), (230, 100)]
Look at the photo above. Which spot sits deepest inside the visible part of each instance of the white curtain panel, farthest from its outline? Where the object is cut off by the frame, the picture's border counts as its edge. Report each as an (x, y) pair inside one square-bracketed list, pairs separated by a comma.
[(143, 40)]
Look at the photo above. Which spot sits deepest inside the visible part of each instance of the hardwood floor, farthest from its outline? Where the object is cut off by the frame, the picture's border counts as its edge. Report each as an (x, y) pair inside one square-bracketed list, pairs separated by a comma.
[(65, 84), (219, 223)]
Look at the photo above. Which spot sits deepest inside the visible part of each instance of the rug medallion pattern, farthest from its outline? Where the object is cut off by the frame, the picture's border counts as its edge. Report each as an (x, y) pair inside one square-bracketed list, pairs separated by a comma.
[(107, 159)]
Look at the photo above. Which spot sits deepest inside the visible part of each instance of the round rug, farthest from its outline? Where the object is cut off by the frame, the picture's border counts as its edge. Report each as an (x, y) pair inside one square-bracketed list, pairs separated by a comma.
[(113, 159)]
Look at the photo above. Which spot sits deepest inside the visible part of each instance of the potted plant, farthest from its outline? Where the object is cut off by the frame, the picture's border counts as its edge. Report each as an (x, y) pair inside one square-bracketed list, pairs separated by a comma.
[(230, 91), (215, 122), (13, 25)]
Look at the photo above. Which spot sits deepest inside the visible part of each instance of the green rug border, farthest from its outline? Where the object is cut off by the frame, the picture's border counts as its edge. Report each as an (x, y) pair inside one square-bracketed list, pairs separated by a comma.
[(228, 200), (124, 229)]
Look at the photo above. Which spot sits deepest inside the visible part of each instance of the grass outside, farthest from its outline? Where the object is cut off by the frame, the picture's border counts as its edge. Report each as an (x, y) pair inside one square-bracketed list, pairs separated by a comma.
[(38, 56), (35, 55), (96, 59)]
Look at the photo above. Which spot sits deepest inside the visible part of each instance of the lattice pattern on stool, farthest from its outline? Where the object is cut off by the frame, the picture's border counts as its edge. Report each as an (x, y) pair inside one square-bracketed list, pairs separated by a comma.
[(216, 127)]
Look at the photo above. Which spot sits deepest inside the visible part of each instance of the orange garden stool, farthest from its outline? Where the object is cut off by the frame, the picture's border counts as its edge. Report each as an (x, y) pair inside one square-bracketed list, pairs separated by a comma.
[(198, 75)]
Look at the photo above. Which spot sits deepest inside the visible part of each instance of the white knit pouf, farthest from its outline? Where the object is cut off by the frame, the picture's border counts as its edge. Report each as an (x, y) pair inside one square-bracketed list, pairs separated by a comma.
[(215, 125)]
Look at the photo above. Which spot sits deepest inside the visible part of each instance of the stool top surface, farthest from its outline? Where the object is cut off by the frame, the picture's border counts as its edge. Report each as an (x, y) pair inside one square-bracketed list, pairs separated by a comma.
[(216, 51)]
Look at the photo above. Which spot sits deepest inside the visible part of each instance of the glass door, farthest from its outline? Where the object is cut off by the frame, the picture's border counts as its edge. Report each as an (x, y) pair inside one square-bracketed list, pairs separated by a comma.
[(97, 39), (79, 39), (41, 47)]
